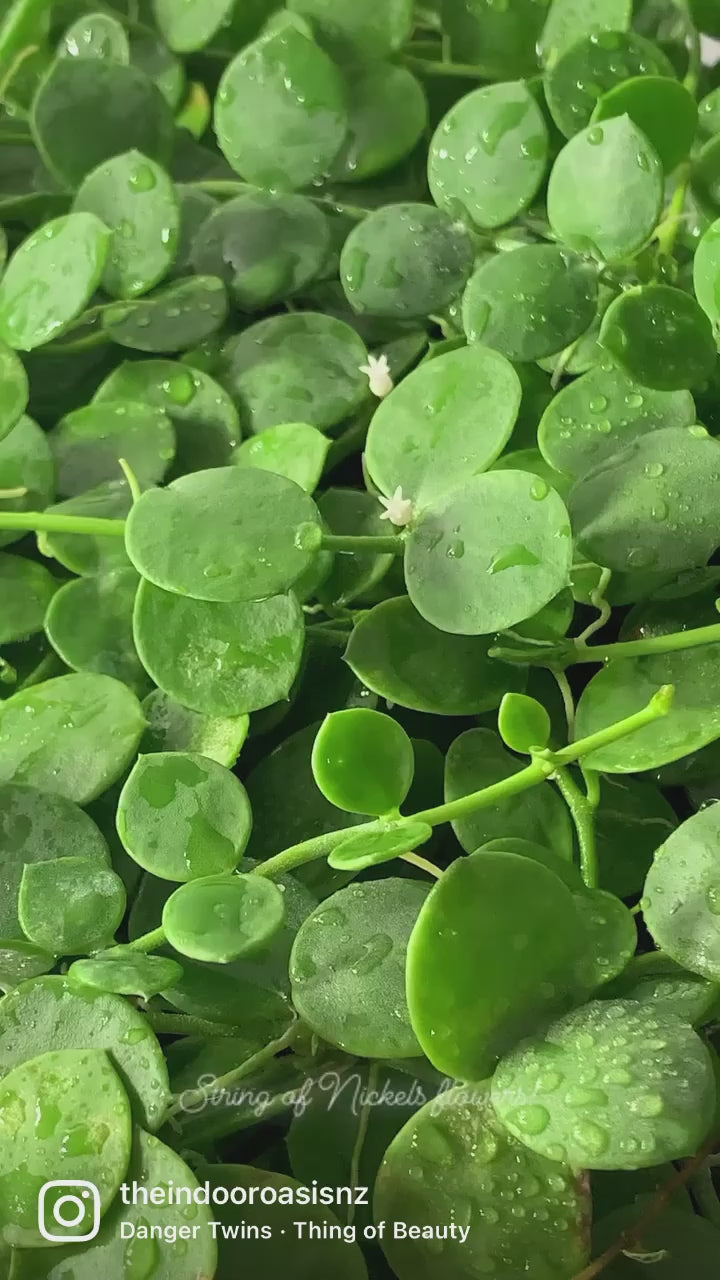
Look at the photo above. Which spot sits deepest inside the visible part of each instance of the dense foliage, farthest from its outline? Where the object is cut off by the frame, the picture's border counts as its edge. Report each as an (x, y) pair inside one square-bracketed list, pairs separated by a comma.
[(359, 639)]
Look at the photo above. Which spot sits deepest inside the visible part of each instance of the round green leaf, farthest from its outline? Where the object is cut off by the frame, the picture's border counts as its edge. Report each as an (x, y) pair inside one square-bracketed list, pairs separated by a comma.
[(455, 1152), (150, 53), (406, 261), (26, 589), (572, 20), (530, 303), (89, 554), (204, 417), (77, 123), (89, 623), (363, 761), (387, 116), (221, 918), (25, 464), (489, 555), (582, 203), (593, 66), (70, 905), (304, 367), (225, 534), (219, 659), (660, 337), (47, 1013), (658, 982), (626, 685), (136, 200), (68, 1113), (347, 968), (294, 450), (172, 319), (356, 853), (95, 35), (633, 819), (192, 25), (286, 82), (524, 724), (477, 759), (653, 505), (663, 109), (706, 273), (596, 415), (264, 246), (357, 33), (487, 906), (88, 443), (451, 416), (68, 256), (172, 727), (401, 657), (120, 1247), (73, 736), (182, 816), (611, 1086), (709, 115), (705, 175), (20, 961), (560, 864), (127, 973), (681, 905), (501, 40), (488, 155), (610, 935), (15, 390)]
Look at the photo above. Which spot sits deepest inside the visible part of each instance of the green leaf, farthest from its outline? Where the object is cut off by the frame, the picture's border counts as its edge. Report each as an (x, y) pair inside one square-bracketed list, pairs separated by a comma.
[(26, 589), (681, 904), (263, 246), (357, 32), (172, 727), (705, 176), (90, 554), (357, 853), (633, 819), (582, 207), (590, 67), (219, 659), (20, 961), (653, 505), (402, 658), (511, 920), (70, 905), (348, 968), (294, 368), (221, 918), (45, 1103), (524, 724), (610, 934), (76, 122), (660, 337), (192, 25), (451, 416), (659, 983), (476, 760), (595, 416), (136, 200), (89, 624), (500, 40), (95, 35), (488, 155), (387, 116), (530, 303), (15, 390), (73, 736), (88, 443), (126, 973), (172, 319), (456, 1152), (204, 418), (286, 82), (182, 816), (405, 261), (45, 1012), (489, 555), (211, 534), (571, 20), (69, 255), (294, 450), (25, 464), (35, 826), (363, 761), (341, 579), (706, 273), (662, 108), (611, 1086)]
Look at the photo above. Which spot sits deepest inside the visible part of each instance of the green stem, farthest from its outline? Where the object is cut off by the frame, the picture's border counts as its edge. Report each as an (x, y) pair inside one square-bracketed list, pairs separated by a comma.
[(694, 56), (20, 29), (309, 850), (671, 643), (597, 598), (360, 1137), (416, 860), (583, 816), (666, 233), (393, 544), (193, 1099), (47, 522), (427, 67), (149, 941), (563, 685)]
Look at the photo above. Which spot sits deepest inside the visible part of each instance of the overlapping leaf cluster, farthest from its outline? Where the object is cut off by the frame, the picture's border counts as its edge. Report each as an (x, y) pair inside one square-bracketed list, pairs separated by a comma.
[(358, 392)]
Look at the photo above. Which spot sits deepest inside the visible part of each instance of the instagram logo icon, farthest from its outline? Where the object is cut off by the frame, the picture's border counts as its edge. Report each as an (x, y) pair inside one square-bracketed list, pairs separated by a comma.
[(69, 1211)]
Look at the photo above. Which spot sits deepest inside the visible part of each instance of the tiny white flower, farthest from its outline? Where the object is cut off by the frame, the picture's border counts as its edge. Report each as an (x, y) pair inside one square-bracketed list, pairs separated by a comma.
[(379, 376), (398, 510)]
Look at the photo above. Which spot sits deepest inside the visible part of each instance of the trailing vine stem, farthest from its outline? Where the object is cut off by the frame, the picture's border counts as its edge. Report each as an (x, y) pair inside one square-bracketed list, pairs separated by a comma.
[(582, 810)]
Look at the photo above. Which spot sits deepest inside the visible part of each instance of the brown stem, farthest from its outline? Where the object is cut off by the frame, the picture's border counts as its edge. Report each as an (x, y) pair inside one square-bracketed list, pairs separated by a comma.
[(632, 1237)]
